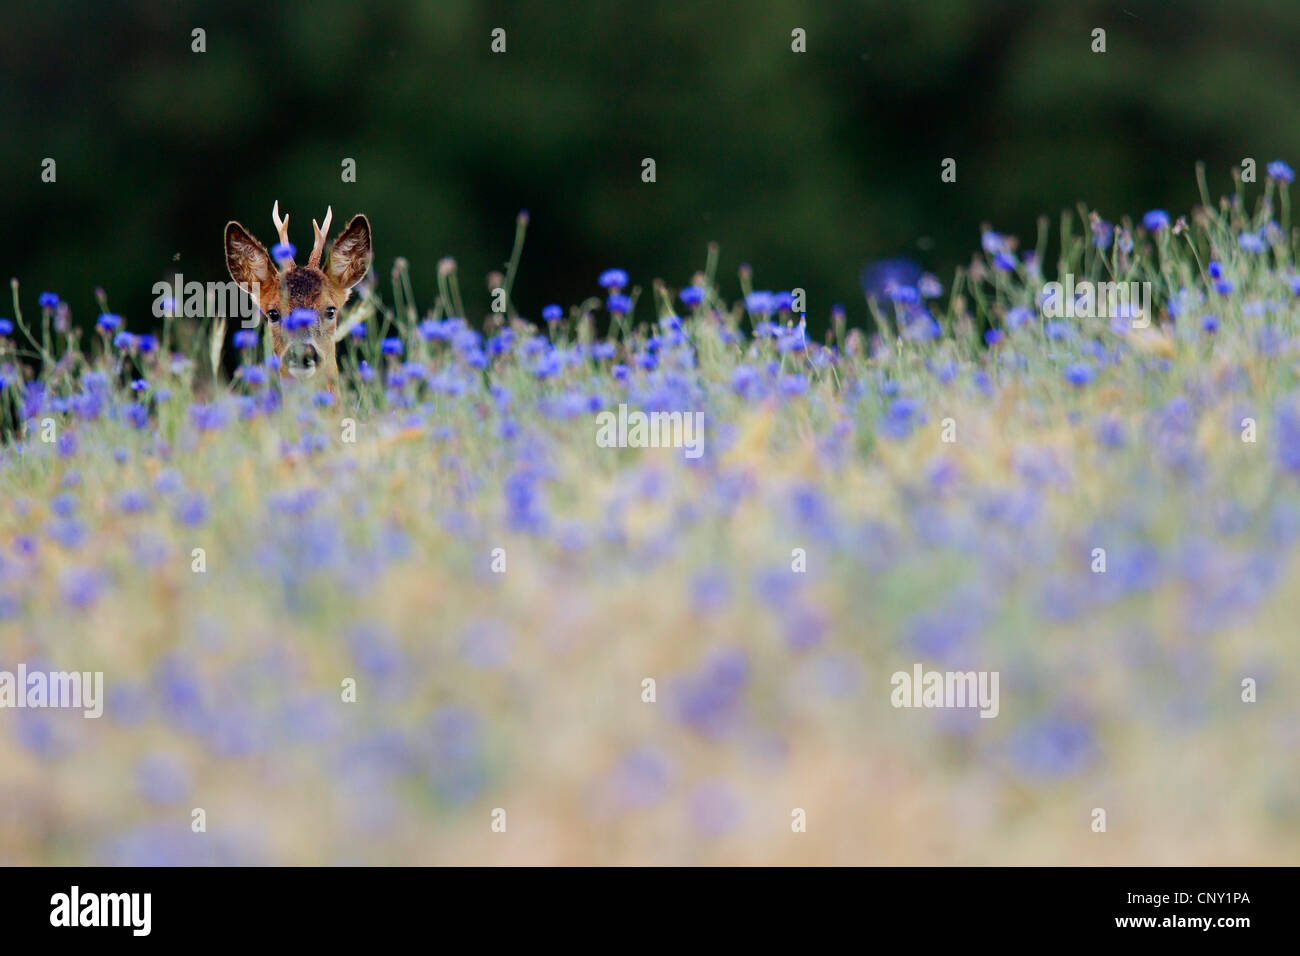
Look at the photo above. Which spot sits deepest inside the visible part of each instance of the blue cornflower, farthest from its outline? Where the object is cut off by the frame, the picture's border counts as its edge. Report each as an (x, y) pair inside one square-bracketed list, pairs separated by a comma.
[(524, 505), (139, 385), (1053, 746), (161, 779), (392, 346), (1102, 234), (1110, 432), (299, 319), (612, 280), (1019, 316), (68, 532), (793, 340), (793, 384), (323, 400), (921, 325), (6, 327), (123, 340), (619, 304), (48, 300), (548, 365), (253, 374), (1288, 444), (209, 418), (745, 380), (137, 414), (709, 698), (358, 331), (929, 287), (146, 344), (992, 336), (1155, 220), (1210, 323), (691, 295), (1251, 242), (1006, 261), (760, 303), (1281, 171), (946, 372), (282, 252), (1079, 374), (552, 313), (1215, 269), (108, 322), (376, 650), (876, 277), (246, 339), (133, 501), (82, 586), (619, 371), (903, 294)]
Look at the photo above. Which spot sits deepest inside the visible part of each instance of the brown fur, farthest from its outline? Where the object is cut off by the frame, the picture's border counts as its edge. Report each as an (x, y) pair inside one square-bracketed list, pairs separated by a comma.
[(302, 287)]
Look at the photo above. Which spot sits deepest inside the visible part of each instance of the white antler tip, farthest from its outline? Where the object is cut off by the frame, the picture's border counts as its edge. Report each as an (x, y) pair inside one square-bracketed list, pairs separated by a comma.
[(322, 232)]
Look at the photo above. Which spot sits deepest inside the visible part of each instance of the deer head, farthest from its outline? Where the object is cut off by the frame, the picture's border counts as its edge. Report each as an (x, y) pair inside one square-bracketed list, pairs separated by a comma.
[(305, 348)]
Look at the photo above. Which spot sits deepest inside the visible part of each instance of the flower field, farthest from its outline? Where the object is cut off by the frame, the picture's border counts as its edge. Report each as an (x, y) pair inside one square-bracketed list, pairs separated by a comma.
[(430, 620)]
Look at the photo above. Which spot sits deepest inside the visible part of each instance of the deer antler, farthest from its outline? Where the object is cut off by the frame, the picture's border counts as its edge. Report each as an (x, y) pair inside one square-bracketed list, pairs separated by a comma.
[(281, 225), (318, 249)]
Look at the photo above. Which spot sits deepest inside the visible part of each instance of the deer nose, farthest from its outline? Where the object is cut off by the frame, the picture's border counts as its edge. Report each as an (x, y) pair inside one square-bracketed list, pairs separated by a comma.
[(302, 359)]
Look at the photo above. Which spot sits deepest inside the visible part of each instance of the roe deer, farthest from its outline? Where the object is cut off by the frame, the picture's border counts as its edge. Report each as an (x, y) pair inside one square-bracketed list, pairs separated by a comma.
[(301, 303)]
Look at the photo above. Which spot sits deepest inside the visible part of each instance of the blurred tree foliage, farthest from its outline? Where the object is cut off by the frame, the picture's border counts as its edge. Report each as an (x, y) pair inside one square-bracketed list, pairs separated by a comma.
[(805, 165)]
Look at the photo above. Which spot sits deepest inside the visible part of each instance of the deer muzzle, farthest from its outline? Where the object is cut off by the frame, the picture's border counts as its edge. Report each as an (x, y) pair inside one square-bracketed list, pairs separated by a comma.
[(302, 359)]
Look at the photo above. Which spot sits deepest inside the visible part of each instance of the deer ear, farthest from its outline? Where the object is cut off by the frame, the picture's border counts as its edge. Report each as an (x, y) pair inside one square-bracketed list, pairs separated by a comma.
[(247, 259), (349, 259)]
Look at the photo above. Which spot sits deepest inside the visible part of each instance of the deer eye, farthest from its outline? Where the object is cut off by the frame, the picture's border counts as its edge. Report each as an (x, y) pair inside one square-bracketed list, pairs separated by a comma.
[(330, 313), (273, 315)]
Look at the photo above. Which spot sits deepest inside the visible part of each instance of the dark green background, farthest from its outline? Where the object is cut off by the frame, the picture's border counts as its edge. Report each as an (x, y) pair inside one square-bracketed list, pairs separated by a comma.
[(807, 165)]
